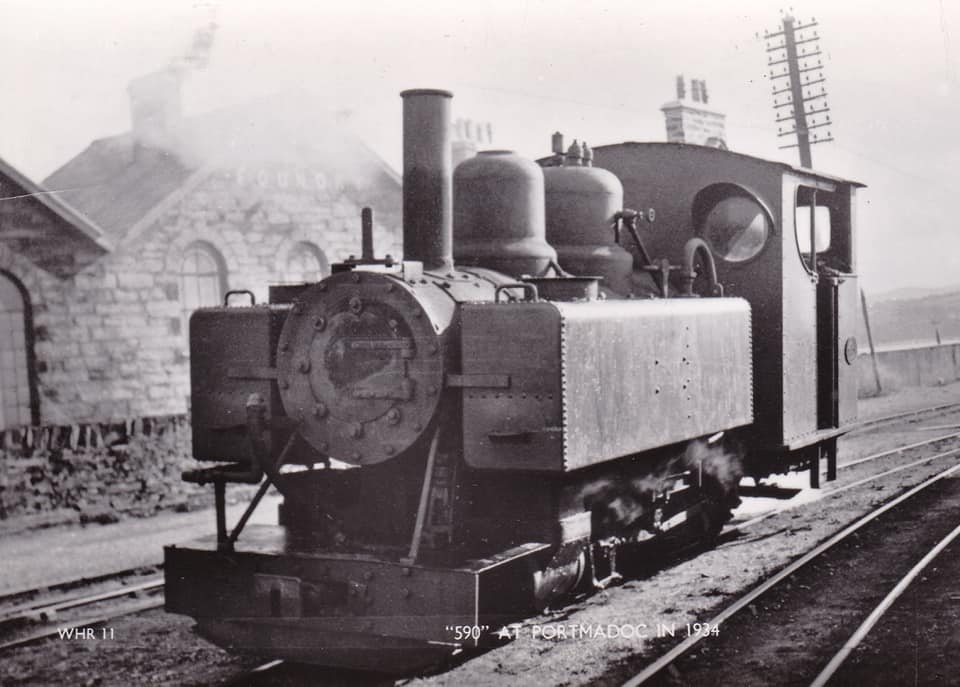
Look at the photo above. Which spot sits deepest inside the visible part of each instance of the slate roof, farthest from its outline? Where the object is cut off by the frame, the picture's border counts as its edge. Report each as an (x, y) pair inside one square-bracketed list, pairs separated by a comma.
[(117, 184), (117, 181), (46, 229)]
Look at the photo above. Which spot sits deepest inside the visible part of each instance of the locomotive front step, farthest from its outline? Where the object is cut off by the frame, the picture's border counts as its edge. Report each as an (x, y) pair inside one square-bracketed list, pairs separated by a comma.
[(268, 597)]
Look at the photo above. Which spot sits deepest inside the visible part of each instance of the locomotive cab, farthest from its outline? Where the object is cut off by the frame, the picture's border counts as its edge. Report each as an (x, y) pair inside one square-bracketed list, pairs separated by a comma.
[(759, 219)]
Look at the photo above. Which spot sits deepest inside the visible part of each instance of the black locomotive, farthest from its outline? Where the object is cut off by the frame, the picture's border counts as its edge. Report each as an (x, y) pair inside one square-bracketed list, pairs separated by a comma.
[(547, 377)]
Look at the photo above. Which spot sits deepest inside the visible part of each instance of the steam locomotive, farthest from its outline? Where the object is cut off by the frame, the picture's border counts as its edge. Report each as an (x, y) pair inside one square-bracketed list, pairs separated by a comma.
[(547, 378)]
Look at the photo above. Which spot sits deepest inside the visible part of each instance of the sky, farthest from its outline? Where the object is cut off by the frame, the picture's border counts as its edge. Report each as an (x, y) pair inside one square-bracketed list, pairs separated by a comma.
[(596, 71)]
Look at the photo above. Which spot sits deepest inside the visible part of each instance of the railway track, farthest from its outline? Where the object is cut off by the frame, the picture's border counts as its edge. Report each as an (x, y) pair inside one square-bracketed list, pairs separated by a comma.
[(942, 408), (26, 622), (871, 621), (259, 673), (282, 673), (656, 669), (40, 618), (870, 478)]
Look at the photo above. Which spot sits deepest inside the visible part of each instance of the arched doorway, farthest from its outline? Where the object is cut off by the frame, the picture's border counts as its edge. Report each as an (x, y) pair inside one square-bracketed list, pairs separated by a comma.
[(18, 401)]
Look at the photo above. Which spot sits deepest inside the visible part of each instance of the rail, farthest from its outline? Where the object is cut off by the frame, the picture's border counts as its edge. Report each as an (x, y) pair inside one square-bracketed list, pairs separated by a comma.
[(46, 612), (743, 602)]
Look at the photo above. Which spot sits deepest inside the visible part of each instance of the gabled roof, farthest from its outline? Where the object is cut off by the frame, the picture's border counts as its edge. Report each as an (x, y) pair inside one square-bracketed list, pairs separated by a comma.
[(121, 183), (46, 229), (116, 182)]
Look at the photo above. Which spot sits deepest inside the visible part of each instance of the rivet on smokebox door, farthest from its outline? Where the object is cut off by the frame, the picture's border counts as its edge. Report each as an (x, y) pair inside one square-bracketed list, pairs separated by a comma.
[(389, 450), (393, 416)]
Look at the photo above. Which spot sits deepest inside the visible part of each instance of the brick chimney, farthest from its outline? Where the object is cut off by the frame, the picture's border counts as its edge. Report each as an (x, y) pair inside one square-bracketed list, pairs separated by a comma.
[(690, 120), (467, 137), (154, 107)]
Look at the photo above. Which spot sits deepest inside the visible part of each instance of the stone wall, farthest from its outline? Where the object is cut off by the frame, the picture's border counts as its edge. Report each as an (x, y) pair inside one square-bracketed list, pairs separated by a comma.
[(96, 472), (111, 342)]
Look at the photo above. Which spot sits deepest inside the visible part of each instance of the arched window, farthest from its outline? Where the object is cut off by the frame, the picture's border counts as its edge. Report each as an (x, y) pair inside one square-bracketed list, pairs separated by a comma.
[(17, 396), (305, 263), (203, 278)]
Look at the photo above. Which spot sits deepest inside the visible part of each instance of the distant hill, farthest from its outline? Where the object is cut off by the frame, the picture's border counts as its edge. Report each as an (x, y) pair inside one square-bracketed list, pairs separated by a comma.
[(914, 293), (913, 315)]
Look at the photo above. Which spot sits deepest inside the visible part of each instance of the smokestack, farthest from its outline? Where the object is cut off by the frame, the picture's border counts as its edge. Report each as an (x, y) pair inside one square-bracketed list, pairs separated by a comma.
[(427, 178), (155, 107)]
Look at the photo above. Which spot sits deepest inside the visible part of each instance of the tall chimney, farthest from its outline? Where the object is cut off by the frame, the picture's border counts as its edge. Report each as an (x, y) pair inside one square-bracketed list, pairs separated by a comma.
[(694, 122), (154, 107), (427, 178)]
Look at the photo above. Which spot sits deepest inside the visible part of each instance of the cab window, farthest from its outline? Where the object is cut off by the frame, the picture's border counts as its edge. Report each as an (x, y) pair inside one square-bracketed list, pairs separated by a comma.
[(820, 218), (732, 222)]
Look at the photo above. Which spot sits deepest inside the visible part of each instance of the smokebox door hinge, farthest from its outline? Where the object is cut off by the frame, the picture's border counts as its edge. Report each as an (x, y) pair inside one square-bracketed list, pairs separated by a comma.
[(251, 372), (478, 381)]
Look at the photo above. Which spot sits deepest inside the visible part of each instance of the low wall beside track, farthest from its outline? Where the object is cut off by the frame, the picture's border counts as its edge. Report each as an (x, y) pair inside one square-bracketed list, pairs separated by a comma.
[(900, 367)]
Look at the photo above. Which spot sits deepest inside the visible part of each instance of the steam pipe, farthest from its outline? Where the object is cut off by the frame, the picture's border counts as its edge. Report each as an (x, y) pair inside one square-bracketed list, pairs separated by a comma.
[(427, 178), (366, 228), (695, 246)]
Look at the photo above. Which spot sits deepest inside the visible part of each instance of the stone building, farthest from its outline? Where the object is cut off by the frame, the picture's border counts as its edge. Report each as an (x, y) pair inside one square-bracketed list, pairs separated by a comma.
[(150, 224), (44, 244)]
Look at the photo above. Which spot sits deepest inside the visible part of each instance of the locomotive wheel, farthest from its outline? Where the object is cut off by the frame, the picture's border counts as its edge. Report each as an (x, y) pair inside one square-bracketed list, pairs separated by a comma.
[(563, 576)]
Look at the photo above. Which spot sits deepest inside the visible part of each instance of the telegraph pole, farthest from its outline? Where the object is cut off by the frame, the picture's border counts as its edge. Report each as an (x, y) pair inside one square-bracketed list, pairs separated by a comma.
[(792, 52)]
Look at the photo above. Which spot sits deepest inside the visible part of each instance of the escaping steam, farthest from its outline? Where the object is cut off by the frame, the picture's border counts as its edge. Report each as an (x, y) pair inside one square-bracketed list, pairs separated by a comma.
[(197, 56), (623, 507)]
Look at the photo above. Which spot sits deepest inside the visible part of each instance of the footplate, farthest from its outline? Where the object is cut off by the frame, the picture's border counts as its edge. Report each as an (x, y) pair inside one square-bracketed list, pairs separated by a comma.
[(291, 604)]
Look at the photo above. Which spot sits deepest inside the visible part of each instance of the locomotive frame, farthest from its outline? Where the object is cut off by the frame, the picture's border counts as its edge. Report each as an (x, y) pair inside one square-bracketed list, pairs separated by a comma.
[(462, 438)]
